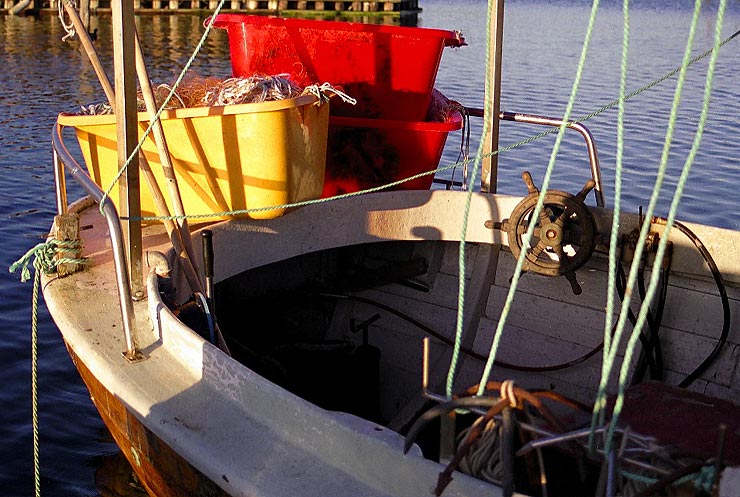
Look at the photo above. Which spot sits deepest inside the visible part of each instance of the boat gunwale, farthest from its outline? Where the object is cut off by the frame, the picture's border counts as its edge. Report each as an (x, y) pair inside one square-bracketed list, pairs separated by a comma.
[(78, 120), (159, 409), (87, 345)]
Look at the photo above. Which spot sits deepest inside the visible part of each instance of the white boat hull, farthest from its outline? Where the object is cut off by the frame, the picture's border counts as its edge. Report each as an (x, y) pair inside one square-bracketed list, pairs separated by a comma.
[(193, 421)]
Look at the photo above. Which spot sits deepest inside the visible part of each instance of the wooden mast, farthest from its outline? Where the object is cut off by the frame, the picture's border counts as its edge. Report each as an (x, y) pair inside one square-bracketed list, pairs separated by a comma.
[(127, 136), (489, 168)]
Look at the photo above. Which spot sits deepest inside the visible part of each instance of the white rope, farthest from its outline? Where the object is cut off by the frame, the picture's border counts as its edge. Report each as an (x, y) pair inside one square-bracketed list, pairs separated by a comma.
[(507, 392), (254, 89), (68, 27), (321, 90)]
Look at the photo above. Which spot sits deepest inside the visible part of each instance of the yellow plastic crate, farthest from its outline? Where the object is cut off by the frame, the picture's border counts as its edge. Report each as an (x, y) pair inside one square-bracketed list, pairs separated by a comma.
[(225, 158)]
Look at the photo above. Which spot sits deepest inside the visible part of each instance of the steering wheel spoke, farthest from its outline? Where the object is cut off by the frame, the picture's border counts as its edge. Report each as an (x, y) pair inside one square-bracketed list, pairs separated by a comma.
[(564, 220)]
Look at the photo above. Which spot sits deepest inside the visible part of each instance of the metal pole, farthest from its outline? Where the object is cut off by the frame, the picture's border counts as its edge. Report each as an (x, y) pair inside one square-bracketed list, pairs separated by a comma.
[(116, 234), (581, 128), (61, 184), (593, 157)]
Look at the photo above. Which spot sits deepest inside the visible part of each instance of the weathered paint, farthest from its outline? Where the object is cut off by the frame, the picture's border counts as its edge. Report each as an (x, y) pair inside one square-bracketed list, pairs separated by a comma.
[(160, 470)]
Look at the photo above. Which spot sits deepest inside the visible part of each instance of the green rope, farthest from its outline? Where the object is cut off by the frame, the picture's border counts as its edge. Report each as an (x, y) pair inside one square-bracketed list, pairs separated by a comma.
[(598, 414), (303, 203), (614, 237), (488, 90), (166, 102), (540, 203), (610, 354), (655, 275), (702, 479), (42, 258), (622, 98)]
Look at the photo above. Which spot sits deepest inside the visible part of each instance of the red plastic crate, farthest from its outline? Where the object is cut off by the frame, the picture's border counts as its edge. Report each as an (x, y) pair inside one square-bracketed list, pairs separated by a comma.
[(365, 153), (390, 70)]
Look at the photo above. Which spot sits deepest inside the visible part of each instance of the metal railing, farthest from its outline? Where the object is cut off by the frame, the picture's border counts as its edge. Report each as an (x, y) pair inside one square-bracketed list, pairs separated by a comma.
[(593, 157), (63, 159)]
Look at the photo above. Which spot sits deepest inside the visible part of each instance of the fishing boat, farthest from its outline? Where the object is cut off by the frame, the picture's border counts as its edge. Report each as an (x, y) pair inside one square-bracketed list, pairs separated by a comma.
[(400, 342)]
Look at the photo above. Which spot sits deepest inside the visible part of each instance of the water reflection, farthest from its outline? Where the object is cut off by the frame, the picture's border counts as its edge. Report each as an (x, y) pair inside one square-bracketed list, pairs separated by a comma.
[(115, 478), (41, 76)]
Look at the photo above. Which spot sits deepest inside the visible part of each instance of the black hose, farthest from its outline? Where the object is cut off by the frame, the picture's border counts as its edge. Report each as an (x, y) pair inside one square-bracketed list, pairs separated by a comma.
[(644, 341), (665, 273), (652, 330), (508, 428), (426, 329), (723, 295), (654, 320)]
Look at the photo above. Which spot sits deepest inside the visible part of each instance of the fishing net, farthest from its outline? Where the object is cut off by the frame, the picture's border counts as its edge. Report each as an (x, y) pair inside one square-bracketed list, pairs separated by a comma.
[(441, 108), (196, 91)]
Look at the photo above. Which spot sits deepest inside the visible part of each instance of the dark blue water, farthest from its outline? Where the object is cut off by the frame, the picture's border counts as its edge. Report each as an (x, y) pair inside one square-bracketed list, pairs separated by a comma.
[(541, 49), (40, 76)]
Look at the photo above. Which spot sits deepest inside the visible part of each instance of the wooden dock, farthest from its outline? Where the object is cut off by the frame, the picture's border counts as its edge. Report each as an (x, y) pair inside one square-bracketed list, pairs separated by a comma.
[(272, 6)]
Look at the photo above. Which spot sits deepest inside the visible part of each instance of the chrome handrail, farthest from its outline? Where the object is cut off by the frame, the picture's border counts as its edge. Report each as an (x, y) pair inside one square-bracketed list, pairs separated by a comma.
[(593, 157), (63, 159)]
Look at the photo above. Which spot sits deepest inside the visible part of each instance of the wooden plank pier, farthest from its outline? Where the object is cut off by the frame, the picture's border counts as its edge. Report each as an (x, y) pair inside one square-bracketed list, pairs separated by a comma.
[(263, 6)]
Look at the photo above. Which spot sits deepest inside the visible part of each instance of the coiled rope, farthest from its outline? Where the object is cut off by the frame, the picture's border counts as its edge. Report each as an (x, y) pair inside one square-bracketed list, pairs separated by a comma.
[(42, 257)]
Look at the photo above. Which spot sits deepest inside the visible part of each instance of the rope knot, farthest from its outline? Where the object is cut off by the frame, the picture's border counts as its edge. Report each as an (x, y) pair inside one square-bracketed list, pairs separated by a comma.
[(321, 92), (44, 257), (507, 392)]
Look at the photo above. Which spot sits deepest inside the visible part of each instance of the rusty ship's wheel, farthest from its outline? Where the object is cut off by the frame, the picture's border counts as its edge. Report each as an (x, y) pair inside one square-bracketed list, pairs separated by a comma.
[(564, 235)]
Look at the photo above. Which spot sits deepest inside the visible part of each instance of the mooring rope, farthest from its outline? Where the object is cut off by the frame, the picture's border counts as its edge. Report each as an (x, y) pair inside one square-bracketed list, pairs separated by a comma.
[(69, 27), (42, 258), (34, 384)]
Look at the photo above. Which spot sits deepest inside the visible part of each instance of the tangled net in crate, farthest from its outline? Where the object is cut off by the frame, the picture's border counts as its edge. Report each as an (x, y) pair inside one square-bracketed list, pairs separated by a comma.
[(207, 92)]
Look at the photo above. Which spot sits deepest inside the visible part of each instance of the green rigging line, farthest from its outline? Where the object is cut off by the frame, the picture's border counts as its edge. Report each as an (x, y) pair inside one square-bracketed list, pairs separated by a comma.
[(614, 236), (540, 203), (655, 275)]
